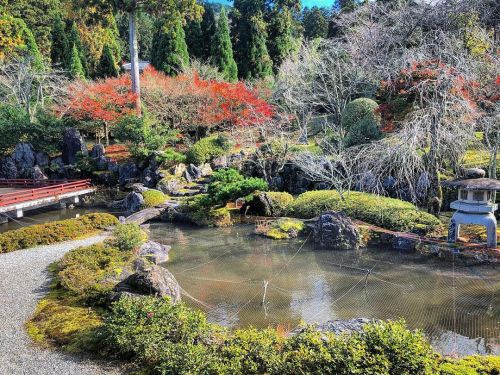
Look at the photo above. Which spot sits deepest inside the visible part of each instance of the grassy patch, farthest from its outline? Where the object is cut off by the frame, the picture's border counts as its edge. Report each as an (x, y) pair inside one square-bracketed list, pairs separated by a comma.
[(388, 213), (58, 231)]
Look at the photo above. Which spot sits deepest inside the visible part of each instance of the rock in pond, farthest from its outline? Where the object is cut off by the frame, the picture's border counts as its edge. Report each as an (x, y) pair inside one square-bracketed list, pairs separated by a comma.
[(148, 279), (344, 326), (335, 230), (133, 202), (155, 252)]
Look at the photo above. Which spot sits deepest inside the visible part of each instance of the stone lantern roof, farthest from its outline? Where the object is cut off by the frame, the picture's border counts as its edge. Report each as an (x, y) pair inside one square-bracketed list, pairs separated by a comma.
[(485, 184)]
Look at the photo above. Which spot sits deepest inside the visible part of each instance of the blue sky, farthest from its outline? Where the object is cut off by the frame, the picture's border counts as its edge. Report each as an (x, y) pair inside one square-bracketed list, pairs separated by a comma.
[(305, 3)]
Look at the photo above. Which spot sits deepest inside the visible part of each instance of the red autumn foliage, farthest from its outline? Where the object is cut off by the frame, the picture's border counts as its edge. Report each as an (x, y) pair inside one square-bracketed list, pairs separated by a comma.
[(107, 100)]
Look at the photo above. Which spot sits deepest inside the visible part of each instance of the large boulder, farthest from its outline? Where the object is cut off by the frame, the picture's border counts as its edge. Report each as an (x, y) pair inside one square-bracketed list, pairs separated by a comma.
[(133, 202), (179, 170), (41, 159), (24, 157), (8, 168), (37, 173), (98, 151), (155, 252), (148, 279), (206, 170), (170, 185), (194, 171), (335, 230), (128, 172), (73, 143)]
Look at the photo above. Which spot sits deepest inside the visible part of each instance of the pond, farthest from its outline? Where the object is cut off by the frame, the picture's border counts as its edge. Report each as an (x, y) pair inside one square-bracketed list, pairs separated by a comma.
[(241, 280)]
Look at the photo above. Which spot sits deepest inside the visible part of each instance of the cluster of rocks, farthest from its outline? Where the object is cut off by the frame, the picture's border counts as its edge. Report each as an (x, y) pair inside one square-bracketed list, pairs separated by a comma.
[(24, 162)]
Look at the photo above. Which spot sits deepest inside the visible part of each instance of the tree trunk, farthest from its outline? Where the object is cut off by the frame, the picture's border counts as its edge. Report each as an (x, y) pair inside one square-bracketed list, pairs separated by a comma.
[(435, 194), (106, 132), (134, 60)]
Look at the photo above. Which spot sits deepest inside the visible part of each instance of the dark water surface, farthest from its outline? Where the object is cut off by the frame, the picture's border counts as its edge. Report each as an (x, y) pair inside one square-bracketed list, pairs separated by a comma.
[(224, 273)]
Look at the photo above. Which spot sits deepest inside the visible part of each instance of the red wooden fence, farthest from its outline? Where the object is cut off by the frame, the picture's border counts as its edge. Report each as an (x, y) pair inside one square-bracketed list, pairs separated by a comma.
[(36, 189)]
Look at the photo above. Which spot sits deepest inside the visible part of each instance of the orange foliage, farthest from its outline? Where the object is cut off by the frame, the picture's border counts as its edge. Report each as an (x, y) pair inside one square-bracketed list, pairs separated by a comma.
[(107, 100)]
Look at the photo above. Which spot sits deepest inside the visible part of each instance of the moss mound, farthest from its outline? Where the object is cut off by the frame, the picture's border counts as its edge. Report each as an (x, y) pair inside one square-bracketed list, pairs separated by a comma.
[(389, 213), (153, 198), (207, 149), (285, 228), (64, 230)]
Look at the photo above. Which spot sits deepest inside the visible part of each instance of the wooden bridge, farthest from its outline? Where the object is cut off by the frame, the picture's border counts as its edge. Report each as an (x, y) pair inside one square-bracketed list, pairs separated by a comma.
[(19, 195)]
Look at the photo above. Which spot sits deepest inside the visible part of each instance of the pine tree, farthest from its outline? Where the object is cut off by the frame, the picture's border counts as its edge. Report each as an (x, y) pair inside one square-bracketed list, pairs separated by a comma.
[(208, 29), (315, 22), (170, 53), (75, 64), (223, 49), (59, 43), (74, 40), (107, 64)]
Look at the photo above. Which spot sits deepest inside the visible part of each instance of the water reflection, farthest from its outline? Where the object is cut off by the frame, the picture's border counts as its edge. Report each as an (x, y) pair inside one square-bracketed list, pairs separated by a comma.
[(227, 269)]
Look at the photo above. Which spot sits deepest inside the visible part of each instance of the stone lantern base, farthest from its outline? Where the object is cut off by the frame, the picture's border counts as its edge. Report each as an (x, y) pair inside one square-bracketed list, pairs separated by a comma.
[(463, 218)]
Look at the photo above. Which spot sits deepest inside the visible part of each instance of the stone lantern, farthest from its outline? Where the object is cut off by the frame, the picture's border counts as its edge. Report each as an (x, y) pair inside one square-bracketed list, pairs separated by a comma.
[(475, 206)]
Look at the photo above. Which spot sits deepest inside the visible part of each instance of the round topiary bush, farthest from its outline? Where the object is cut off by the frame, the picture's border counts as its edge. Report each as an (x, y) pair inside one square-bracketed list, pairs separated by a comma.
[(207, 149), (361, 121), (153, 198)]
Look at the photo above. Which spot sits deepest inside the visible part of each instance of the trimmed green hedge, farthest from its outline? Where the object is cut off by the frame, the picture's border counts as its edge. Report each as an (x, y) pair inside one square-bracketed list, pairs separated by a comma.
[(207, 149), (153, 198), (384, 212), (46, 234)]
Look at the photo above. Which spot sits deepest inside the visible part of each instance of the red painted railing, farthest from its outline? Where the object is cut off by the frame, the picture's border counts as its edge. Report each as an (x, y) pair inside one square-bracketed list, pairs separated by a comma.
[(39, 189)]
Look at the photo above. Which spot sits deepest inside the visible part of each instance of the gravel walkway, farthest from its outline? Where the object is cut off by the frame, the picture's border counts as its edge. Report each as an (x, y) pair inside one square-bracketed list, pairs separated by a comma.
[(23, 281)]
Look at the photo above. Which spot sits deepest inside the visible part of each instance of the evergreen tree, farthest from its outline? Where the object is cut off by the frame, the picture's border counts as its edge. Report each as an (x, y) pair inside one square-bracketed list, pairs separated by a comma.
[(194, 39), (75, 64), (281, 40), (208, 29), (59, 47), (315, 22), (223, 49), (250, 35), (107, 64), (170, 53), (74, 41), (33, 51)]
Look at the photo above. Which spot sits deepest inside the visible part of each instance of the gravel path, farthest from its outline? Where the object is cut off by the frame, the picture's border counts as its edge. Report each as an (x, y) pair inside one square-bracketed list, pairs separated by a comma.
[(23, 281)]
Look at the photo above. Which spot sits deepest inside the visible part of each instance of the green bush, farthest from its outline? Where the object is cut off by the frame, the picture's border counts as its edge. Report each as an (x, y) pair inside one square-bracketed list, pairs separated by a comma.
[(174, 339), (46, 234), (388, 213), (471, 365), (128, 237), (90, 272), (227, 176), (153, 198), (142, 328), (168, 158), (207, 149), (360, 120)]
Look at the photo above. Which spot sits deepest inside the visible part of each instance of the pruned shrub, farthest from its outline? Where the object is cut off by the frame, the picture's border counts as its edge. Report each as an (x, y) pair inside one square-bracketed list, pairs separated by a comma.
[(153, 198), (46, 234), (361, 121), (388, 213), (207, 149), (128, 237), (471, 365), (272, 203)]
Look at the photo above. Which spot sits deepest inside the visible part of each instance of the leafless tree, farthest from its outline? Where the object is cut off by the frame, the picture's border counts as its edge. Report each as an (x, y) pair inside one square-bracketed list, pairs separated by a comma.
[(30, 88)]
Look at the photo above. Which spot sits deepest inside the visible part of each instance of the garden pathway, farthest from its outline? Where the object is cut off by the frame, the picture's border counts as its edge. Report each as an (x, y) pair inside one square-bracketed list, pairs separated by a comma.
[(23, 281)]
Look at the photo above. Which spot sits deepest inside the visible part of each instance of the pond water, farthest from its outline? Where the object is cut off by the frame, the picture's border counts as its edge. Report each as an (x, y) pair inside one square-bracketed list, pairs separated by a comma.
[(224, 272)]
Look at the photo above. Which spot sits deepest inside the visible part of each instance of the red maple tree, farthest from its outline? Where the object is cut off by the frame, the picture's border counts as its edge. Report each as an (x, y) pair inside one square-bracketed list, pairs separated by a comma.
[(103, 102)]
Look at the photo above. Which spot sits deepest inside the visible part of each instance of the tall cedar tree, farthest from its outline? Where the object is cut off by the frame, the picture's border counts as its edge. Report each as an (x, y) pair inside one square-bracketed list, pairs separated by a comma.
[(75, 64), (208, 30), (75, 41), (33, 51), (281, 39), (194, 39), (60, 48), (315, 23), (223, 50), (250, 35), (170, 53), (107, 65)]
